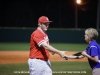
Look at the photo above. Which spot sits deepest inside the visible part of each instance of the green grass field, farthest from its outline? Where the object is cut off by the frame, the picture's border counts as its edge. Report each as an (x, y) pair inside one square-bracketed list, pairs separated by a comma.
[(59, 68), (25, 46)]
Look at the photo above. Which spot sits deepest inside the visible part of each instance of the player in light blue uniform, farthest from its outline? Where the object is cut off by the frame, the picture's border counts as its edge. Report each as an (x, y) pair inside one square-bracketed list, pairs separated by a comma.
[(92, 52)]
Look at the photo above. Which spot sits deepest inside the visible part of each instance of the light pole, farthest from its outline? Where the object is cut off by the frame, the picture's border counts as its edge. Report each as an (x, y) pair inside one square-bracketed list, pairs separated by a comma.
[(77, 2), (98, 15)]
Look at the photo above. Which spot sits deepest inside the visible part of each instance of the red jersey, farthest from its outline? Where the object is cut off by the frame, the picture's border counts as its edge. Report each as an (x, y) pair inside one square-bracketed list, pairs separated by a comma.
[(36, 50)]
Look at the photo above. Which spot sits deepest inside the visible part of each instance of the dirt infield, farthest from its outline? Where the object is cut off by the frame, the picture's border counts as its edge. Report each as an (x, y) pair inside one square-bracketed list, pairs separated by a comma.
[(7, 57)]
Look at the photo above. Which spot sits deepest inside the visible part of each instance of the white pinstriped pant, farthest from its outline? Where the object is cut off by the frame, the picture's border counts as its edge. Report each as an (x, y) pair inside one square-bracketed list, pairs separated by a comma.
[(39, 67)]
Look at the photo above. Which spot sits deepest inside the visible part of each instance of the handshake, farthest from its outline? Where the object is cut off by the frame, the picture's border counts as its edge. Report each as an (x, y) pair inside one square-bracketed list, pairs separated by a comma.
[(77, 55)]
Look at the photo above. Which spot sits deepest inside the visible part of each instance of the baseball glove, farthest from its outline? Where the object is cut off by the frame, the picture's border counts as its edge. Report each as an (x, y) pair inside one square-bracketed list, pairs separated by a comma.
[(77, 54)]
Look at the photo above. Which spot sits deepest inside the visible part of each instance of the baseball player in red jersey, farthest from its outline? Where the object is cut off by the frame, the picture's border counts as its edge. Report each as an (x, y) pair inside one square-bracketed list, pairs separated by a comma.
[(39, 49)]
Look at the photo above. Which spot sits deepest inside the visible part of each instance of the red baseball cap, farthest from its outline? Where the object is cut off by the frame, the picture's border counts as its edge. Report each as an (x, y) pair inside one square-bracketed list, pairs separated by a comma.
[(43, 19)]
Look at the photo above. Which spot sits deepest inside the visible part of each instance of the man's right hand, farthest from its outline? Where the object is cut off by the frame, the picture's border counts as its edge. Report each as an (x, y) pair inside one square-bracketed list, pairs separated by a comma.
[(63, 55)]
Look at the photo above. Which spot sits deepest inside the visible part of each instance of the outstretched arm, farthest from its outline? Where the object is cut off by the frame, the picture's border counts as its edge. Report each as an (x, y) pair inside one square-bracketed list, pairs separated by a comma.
[(75, 57), (54, 50)]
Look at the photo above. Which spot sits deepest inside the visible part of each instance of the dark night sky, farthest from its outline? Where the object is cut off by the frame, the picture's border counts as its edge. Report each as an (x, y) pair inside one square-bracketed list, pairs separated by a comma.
[(25, 13)]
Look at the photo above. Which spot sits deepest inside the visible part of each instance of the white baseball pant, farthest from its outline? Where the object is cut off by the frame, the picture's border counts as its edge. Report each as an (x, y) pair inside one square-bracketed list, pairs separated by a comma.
[(39, 67)]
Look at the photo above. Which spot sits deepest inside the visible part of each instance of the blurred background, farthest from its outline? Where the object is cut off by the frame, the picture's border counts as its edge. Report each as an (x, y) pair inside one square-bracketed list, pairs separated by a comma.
[(63, 13), (18, 18)]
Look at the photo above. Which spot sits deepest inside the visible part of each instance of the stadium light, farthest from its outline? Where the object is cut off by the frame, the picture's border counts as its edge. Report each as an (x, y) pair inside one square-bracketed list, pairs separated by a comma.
[(78, 1)]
